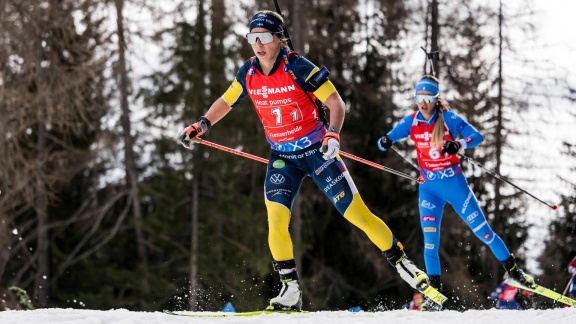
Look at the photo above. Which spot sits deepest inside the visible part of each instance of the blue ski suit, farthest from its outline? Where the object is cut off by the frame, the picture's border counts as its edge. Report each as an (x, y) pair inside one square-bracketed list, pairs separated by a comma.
[(506, 296), (445, 183), (572, 271)]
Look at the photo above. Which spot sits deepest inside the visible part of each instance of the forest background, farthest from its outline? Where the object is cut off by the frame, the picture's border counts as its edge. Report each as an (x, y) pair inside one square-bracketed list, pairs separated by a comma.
[(101, 208)]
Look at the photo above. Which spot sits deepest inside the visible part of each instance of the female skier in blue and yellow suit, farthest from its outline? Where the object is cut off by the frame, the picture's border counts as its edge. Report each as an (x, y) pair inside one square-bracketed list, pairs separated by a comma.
[(438, 135), (283, 87)]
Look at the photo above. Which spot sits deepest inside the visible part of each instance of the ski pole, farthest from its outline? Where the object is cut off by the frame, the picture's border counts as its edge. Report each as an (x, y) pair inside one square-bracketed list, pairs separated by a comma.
[(568, 285), (431, 57), (499, 177), (405, 158), (230, 150), (379, 166), (263, 160)]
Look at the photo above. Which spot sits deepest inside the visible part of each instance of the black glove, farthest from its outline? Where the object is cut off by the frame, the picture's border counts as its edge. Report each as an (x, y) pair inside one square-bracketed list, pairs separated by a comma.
[(195, 130), (451, 147), (384, 143)]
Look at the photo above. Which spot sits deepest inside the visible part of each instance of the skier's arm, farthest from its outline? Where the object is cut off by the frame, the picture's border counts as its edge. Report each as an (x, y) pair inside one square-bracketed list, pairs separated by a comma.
[(218, 110), (458, 126), (400, 131), (337, 110)]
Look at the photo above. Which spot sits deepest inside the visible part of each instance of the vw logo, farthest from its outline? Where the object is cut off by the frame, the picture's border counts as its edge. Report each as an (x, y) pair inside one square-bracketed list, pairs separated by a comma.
[(277, 178)]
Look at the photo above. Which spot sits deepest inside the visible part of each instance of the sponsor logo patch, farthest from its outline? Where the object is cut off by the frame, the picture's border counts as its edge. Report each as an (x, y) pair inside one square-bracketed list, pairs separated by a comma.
[(339, 196), (332, 183), (425, 136), (277, 178), (428, 218), (265, 91), (323, 166), (428, 205), (472, 216), (466, 202), (430, 229), (278, 164)]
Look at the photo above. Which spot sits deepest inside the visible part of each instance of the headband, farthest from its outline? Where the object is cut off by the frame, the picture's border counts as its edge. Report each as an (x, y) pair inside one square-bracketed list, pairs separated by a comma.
[(268, 21), (429, 85)]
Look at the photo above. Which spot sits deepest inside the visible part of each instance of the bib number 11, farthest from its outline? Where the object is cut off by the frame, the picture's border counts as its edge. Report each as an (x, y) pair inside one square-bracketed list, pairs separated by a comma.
[(277, 112)]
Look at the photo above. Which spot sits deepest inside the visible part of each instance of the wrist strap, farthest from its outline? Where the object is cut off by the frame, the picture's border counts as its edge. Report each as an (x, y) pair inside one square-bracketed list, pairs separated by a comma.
[(334, 129), (204, 123), (333, 135), (463, 143)]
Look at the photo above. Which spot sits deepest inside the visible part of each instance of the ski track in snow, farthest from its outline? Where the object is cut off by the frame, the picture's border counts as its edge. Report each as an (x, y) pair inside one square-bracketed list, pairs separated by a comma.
[(122, 316)]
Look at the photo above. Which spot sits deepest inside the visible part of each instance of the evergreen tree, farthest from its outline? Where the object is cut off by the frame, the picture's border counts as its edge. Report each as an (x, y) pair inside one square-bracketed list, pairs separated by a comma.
[(53, 100)]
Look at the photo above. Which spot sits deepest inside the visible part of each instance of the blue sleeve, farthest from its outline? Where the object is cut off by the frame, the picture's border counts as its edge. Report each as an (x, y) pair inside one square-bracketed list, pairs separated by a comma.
[(458, 126), (402, 129), (303, 69)]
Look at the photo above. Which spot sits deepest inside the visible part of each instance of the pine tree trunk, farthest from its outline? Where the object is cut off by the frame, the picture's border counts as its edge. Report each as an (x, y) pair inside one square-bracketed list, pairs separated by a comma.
[(498, 225), (43, 241), (194, 286), (129, 156), (41, 200)]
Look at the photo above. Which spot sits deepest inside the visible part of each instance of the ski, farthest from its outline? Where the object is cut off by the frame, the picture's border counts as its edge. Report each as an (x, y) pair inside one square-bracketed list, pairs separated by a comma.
[(543, 291), (432, 293), (232, 314)]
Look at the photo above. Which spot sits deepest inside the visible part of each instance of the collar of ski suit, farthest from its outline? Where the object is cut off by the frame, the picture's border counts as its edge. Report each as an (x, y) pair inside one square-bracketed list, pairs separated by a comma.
[(256, 62), (420, 118)]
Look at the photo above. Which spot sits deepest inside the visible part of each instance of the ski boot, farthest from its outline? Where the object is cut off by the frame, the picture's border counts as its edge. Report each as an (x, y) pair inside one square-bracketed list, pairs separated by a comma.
[(290, 297), (428, 305), (405, 267), (517, 274)]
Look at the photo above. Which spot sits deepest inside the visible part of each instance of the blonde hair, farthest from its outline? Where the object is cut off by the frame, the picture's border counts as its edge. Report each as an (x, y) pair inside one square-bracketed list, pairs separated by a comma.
[(441, 106)]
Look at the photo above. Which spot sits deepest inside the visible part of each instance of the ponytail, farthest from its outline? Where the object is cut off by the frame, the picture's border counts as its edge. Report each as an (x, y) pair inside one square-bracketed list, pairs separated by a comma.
[(438, 132)]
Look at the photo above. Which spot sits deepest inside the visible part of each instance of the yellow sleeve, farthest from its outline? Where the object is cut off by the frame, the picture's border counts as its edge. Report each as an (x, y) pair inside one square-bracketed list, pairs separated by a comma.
[(325, 91), (233, 93)]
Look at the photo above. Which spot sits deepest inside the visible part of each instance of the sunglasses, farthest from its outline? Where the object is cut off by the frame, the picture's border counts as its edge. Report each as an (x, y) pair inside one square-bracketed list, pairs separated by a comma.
[(265, 37), (425, 98)]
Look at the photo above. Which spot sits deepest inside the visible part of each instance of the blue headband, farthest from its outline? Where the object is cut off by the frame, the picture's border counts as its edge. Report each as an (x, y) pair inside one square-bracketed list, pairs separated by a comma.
[(268, 21), (429, 85)]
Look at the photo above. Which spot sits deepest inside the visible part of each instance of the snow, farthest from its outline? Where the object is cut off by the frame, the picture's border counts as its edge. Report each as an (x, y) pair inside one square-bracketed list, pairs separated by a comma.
[(122, 316)]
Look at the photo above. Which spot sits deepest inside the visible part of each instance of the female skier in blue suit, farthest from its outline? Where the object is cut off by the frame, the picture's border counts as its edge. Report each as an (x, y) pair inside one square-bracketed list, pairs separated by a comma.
[(435, 130)]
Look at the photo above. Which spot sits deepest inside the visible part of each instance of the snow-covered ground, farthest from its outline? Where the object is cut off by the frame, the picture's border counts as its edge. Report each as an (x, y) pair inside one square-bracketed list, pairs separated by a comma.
[(121, 316)]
